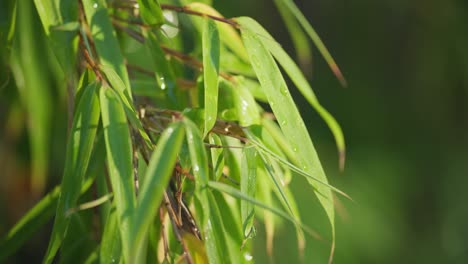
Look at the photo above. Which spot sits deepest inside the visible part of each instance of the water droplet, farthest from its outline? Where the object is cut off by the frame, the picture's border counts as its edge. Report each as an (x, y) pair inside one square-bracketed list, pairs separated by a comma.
[(170, 130), (284, 91), (284, 122), (196, 168), (95, 5), (248, 256), (304, 167), (295, 149), (162, 83)]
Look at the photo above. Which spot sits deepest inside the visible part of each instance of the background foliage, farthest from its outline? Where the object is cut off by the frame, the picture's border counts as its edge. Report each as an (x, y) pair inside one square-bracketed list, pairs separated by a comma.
[(404, 115)]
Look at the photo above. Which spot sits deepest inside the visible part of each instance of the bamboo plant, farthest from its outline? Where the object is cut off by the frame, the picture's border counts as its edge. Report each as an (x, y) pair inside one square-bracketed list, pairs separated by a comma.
[(183, 134)]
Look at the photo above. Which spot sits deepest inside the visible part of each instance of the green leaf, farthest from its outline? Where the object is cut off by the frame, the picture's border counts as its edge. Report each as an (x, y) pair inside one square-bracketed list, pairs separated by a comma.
[(316, 39), (29, 224), (217, 157), (156, 180), (163, 71), (119, 86), (300, 81), (58, 19), (119, 163), (79, 148), (287, 113), (111, 246), (221, 187), (245, 104), (105, 40), (200, 172), (300, 41), (151, 12), (228, 34), (248, 187), (34, 85), (210, 41)]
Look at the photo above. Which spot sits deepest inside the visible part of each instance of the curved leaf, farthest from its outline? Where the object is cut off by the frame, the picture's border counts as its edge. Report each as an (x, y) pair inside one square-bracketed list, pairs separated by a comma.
[(287, 114)]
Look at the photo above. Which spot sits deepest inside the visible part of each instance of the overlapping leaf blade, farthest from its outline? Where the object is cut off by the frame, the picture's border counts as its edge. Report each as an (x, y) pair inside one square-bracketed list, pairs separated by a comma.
[(79, 148), (286, 113), (299, 80), (119, 163), (155, 181)]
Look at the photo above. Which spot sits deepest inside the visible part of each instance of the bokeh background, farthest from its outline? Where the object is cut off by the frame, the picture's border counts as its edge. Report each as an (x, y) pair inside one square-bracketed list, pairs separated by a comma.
[(404, 115)]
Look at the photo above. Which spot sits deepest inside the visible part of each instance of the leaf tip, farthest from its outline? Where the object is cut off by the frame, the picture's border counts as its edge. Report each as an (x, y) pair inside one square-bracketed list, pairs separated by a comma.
[(339, 75)]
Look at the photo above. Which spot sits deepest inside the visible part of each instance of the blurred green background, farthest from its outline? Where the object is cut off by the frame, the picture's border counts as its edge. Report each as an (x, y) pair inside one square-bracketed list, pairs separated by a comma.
[(404, 115)]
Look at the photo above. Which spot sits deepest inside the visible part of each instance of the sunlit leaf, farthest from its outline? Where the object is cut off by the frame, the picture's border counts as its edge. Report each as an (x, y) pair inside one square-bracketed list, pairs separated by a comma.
[(287, 114), (315, 38), (300, 81), (119, 163), (151, 12), (210, 39), (105, 39), (157, 177)]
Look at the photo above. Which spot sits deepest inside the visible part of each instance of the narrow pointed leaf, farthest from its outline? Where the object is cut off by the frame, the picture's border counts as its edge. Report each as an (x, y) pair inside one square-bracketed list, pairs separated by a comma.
[(300, 81), (221, 187), (316, 39), (120, 88), (59, 19), (119, 163), (199, 161), (287, 115), (156, 180), (228, 34), (79, 148), (210, 39), (298, 37), (248, 186), (151, 12), (105, 39), (29, 224)]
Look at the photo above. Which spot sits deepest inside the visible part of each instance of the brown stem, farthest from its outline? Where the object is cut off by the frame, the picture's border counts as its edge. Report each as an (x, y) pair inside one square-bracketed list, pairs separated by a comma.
[(186, 10)]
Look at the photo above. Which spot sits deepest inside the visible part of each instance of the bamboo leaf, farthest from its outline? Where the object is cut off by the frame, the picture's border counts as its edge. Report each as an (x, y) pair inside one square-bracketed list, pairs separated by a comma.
[(163, 71), (301, 83), (155, 181), (35, 93), (248, 187), (221, 187), (58, 19), (119, 163), (79, 148), (287, 114), (228, 34), (151, 12), (120, 88), (298, 37), (111, 246), (210, 41), (245, 104), (200, 171), (316, 39), (29, 224), (105, 40)]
